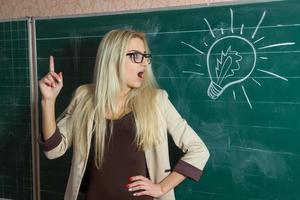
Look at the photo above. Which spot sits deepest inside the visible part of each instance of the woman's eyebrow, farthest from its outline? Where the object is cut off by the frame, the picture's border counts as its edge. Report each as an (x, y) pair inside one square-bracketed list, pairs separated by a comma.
[(137, 51)]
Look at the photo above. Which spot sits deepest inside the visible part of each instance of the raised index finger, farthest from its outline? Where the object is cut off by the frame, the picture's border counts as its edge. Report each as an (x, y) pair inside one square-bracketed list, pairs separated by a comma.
[(51, 64)]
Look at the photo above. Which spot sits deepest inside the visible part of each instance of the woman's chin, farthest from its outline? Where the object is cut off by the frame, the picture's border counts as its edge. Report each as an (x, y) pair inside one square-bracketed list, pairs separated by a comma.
[(135, 86)]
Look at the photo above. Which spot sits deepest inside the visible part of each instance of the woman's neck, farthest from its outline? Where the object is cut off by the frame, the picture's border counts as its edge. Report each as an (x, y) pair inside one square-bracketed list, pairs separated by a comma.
[(124, 93), (121, 107)]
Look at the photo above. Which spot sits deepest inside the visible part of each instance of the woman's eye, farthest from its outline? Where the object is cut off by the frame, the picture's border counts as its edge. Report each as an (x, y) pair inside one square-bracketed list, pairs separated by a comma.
[(137, 55)]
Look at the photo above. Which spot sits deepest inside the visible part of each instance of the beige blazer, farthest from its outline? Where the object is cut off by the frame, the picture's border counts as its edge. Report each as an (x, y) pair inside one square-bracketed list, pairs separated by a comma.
[(157, 158)]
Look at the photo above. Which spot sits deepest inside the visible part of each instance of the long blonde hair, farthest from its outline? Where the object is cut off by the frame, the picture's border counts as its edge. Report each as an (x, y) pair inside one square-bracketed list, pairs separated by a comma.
[(101, 98)]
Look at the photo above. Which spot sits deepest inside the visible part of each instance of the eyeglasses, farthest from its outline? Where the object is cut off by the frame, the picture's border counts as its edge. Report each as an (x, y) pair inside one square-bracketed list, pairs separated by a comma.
[(138, 57)]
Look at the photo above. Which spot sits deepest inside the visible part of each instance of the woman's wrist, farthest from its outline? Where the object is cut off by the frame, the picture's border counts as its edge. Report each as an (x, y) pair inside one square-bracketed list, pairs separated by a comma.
[(47, 102), (163, 189)]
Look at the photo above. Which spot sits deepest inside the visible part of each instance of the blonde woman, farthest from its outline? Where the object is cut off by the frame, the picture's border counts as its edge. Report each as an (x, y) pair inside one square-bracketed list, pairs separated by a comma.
[(118, 127)]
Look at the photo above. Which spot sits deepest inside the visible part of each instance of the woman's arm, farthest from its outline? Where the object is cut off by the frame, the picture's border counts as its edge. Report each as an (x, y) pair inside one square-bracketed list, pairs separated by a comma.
[(171, 181), (189, 166), (50, 86), (195, 151), (48, 118)]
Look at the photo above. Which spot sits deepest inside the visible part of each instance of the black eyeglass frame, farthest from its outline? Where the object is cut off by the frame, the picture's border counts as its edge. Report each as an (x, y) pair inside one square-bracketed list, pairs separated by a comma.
[(132, 56)]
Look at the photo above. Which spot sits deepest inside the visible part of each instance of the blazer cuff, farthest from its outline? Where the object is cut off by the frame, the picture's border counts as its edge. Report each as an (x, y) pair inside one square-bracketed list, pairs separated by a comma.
[(52, 142), (188, 170)]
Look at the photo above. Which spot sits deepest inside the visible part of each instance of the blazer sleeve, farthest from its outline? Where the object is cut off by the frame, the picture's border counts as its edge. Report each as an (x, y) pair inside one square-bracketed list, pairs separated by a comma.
[(61, 140), (196, 153)]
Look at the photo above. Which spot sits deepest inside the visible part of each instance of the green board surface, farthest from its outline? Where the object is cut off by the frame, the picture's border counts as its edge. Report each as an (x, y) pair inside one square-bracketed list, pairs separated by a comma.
[(250, 121), (15, 123)]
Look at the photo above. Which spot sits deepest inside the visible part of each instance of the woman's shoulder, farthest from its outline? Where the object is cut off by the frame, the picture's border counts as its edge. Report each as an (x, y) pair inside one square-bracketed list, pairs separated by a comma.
[(161, 94), (82, 94), (162, 97), (84, 90)]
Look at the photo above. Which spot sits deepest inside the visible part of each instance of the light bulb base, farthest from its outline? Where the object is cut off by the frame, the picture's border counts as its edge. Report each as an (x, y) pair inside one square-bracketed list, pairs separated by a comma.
[(214, 90)]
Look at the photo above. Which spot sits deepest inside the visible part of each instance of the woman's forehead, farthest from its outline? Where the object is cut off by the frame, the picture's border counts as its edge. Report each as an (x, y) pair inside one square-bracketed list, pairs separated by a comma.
[(136, 44)]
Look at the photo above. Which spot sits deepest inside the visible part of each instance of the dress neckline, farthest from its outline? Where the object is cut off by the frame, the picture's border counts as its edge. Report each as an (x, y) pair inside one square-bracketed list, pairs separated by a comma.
[(120, 118)]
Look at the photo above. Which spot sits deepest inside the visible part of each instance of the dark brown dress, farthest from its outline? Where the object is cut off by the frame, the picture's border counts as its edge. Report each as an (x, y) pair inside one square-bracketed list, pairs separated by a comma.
[(122, 160)]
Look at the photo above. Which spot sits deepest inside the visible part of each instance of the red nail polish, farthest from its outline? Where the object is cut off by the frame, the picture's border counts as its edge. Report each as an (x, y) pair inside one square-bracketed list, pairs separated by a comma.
[(130, 179), (127, 186)]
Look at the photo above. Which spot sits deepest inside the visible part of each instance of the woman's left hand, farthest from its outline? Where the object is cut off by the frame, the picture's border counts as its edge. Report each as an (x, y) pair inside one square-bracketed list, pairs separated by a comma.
[(143, 186)]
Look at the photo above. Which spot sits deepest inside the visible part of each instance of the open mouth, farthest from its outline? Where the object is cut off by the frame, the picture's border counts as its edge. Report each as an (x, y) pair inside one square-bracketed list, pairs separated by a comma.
[(141, 74)]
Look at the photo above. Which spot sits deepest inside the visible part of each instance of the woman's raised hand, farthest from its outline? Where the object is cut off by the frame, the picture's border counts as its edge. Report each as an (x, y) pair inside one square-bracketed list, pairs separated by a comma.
[(51, 84)]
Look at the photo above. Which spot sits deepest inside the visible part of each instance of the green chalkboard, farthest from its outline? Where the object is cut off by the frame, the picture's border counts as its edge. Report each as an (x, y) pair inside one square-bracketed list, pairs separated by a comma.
[(231, 70), (15, 123)]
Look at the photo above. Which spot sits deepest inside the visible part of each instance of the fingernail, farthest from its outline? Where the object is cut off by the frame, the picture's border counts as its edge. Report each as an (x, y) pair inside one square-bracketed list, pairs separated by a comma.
[(134, 194), (127, 186), (53, 85), (130, 189), (59, 80), (130, 178)]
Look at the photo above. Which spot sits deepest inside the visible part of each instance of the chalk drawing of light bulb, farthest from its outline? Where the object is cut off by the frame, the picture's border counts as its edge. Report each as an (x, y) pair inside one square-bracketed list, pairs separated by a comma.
[(230, 60), (232, 56)]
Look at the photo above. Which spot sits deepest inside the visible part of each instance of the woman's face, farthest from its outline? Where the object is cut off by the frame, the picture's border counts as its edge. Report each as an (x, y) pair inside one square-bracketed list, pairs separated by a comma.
[(135, 71)]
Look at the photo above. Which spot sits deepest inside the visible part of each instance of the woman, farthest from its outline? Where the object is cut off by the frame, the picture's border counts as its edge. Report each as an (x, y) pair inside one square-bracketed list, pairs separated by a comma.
[(118, 127)]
